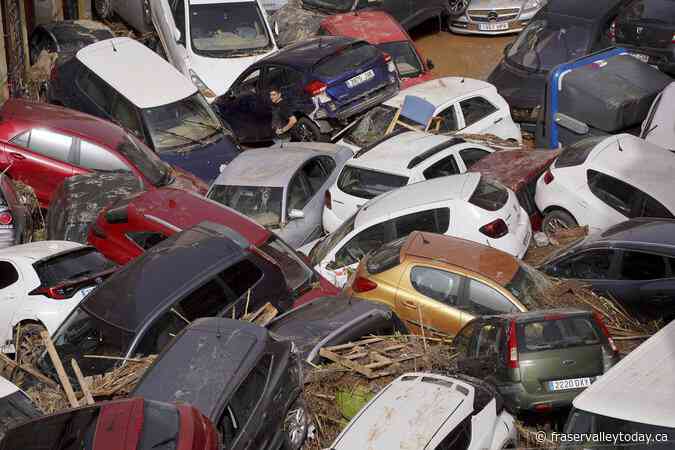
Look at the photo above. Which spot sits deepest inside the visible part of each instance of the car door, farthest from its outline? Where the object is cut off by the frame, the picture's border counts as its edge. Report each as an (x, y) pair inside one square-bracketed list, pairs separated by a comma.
[(90, 156), (168, 17), (238, 107), (290, 82), (298, 196), (485, 351), (479, 115), (481, 299), (10, 296)]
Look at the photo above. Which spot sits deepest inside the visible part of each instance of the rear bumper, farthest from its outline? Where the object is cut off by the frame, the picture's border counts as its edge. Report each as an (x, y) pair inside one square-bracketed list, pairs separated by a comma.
[(366, 101), (517, 399)]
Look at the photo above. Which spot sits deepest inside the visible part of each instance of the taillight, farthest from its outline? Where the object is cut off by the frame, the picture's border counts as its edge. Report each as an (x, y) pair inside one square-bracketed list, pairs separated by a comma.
[(362, 284), (327, 200), (387, 56), (543, 407), (605, 331), (512, 351), (316, 87), (672, 40), (56, 293), (6, 218), (548, 177), (495, 229)]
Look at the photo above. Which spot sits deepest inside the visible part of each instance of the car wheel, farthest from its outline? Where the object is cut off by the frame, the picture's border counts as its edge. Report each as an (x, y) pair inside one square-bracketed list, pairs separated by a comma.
[(103, 8), (557, 220), (306, 131), (457, 7), (296, 425)]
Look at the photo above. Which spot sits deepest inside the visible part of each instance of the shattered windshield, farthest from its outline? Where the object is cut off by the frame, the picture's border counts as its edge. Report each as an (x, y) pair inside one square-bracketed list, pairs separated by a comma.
[(550, 41), (146, 161), (231, 29), (405, 57), (260, 203), (528, 285), (323, 247), (187, 122), (371, 127)]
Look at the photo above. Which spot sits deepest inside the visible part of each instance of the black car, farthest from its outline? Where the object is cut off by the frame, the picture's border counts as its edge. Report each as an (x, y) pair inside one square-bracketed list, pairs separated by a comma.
[(329, 321), (633, 261), (16, 221), (647, 27), (205, 271), (15, 406), (325, 81), (249, 384), (66, 37), (561, 31)]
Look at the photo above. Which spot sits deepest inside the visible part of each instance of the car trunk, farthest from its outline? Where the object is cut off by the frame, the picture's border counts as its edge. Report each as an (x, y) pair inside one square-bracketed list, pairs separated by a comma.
[(646, 33)]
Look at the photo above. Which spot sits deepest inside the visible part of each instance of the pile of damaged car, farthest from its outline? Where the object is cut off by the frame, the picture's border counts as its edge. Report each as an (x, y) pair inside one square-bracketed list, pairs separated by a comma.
[(279, 225)]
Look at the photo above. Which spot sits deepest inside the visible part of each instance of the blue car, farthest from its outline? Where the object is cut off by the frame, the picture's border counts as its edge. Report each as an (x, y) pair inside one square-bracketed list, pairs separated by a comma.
[(325, 80)]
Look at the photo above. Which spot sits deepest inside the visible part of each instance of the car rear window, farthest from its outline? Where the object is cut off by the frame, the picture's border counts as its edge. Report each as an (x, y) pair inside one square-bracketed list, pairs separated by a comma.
[(160, 427), (557, 333), (576, 154), (71, 265), (385, 257), (346, 60), (489, 195), (364, 183)]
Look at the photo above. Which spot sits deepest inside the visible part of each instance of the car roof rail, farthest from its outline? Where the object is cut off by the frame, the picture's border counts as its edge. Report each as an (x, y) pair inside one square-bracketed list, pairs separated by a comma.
[(417, 160), (371, 146)]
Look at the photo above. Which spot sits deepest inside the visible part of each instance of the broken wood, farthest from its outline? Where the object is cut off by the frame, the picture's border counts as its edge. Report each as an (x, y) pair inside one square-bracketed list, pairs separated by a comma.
[(29, 370), (263, 315), (354, 344), (115, 358), (83, 383), (60, 371)]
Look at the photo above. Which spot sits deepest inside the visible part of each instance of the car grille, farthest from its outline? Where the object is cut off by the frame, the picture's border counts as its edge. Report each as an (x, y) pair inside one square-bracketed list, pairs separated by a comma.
[(493, 15)]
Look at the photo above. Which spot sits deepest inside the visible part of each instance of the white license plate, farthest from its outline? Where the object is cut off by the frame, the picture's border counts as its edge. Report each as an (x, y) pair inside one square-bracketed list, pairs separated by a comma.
[(572, 383), (498, 26), (641, 57), (362, 78)]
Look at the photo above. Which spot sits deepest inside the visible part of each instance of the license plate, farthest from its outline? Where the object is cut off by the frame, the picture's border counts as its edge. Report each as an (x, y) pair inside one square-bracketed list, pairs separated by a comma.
[(641, 57), (498, 26), (362, 78), (572, 383)]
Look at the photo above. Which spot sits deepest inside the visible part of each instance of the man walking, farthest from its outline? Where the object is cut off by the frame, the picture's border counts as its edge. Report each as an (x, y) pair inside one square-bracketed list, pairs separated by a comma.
[(283, 119)]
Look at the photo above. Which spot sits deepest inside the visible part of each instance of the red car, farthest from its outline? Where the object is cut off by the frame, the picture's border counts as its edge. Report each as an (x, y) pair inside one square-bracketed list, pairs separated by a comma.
[(44, 144), (384, 32), (128, 228), (129, 424)]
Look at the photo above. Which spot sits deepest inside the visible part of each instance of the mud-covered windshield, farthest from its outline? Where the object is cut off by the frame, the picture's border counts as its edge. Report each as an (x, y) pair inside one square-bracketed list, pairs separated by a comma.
[(260, 203), (184, 123), (549, 41), (371, 127), (528, 285), (405, 57), (228, 29)]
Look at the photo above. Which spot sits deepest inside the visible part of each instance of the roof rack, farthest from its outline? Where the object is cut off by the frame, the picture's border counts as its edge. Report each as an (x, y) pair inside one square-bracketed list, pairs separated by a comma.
[(434, 150)]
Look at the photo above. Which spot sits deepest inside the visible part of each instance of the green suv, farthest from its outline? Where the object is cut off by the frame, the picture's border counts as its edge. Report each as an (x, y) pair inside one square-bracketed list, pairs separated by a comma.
[(539, 361)]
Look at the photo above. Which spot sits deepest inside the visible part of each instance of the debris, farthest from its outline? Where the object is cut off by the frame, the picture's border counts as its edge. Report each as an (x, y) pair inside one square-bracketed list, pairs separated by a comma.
[(541, 239), (536, 255), (263, 315), (11, 364), (84, 385), (491, 141), (60, 371)]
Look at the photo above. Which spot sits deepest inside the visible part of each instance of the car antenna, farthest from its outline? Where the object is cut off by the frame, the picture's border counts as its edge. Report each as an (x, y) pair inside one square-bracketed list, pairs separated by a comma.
[(618, 142)]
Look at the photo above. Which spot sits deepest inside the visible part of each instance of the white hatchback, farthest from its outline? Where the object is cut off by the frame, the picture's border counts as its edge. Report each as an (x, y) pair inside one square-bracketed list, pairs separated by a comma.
[(402, 158), (466, 206), (40, 284), (602, 181)]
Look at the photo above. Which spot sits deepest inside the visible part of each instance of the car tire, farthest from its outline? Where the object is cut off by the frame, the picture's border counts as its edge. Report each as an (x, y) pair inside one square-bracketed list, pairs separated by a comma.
[(296, 425), (457, 7), (30, 347), (306, 131), (103, 8), (557, 220)]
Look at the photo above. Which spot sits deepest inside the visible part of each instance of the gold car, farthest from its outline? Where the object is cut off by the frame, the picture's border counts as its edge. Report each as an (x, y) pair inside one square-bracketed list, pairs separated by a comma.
[(443, 282)]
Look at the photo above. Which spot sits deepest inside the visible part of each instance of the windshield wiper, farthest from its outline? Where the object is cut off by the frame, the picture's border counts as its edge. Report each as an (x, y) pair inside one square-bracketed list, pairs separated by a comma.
[(203, 124), (188, 139)]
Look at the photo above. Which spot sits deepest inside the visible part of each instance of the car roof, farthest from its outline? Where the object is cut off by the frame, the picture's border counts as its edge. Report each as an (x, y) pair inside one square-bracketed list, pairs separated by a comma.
[(308, 52), (151, 282), (253, 168), (642, 164), (642, 231), (393, 154), (184, 209), (422, 402), (64, 119), (490, 262), (515, 168), (590, 10), (540, 314), (441, 90), (453, 187), (152, 82), (204, 364), (38, 250), (638, 388), (7, 387), (376, 27)]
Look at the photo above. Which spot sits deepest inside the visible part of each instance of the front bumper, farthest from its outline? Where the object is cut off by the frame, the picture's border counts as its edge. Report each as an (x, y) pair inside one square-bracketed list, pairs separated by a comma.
[(491, 22)]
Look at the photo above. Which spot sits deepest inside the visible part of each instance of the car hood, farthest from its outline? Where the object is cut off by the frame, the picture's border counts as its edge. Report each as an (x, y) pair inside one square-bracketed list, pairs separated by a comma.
[(203, 161), (519, 88), (495, 4)]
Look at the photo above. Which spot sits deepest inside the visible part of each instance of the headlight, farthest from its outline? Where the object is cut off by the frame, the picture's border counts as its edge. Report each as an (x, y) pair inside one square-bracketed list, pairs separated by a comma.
[(533, 4), (203, 88)]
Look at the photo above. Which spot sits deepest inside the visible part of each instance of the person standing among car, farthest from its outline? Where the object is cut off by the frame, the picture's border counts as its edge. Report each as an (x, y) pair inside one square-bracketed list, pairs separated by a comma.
[(283, 119)]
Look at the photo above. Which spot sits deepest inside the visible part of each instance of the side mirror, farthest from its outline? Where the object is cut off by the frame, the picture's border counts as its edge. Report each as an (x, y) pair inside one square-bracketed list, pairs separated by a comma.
[(430, 64), (294, 214), (507, 47)]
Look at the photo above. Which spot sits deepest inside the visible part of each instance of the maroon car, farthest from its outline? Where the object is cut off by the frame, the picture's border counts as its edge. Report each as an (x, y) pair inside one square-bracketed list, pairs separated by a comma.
[(44, 144), (518, 170), (130, 227), (129, 424)]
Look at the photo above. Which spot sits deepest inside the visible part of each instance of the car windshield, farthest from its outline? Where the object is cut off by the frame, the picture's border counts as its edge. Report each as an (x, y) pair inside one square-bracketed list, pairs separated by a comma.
[(367, 184), (322, 248), (549, 41), (556, 333), (75, 264), (228, 29), (576, 154), (371, 127), (346, 59), (146, 161), (651, 11), (183, 123), (260, 203), (405, 57), (333, 6), (528, 285), (295, 271)]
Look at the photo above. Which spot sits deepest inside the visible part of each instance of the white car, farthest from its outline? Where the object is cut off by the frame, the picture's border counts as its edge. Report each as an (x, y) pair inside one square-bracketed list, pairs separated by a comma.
[(466, 206), (602, 181), (213, 41), (424, 411), (463, 105), (402, 158), (659, 126), (41, 283), (15, 406)]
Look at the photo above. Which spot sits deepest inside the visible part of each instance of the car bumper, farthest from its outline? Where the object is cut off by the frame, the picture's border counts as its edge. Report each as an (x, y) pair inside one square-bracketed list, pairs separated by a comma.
[(363, 102), (517, 241), (502, 23), (517, 399)]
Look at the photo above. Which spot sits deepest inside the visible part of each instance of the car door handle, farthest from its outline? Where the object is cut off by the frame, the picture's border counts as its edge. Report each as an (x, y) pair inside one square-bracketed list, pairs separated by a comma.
[(498, 120), (16, 155), (411, 305)]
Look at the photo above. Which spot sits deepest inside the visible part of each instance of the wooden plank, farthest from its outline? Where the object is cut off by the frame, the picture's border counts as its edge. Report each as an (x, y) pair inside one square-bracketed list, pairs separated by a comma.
[(354, 344), (29, 370), (83, 383), (345, 362), (391, 348), (60, 371), (263, 315), (354, 356)]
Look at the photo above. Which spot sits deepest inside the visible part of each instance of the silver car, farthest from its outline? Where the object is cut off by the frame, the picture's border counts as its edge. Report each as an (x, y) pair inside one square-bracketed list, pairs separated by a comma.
[(492, 17), (282, 187)]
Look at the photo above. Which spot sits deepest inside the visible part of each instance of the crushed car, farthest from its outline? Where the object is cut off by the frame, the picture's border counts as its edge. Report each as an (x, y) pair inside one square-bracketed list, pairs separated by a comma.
[(238, 375), (16, 220), (66, 37), (15, 406)]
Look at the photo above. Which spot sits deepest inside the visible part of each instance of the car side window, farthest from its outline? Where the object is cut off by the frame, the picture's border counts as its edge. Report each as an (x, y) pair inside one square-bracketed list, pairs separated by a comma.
[(652, 208), (298, 192), (436, 284), (459, 438), (448, 120), (285, 78), (615, 193), (126, 115), (161, 332), (365, 241), (328, 164), (483, 299), (462, 341), (434, 221), (314, 174), (474, 109), (48, 143), (21, 139), (642, 266), (146, 239), (471, 156), (444, 167), (590, 265), (240, 277), (96, 89), (489, 339), (248, 85), (8, 274), (97, 158), (178, 13)]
